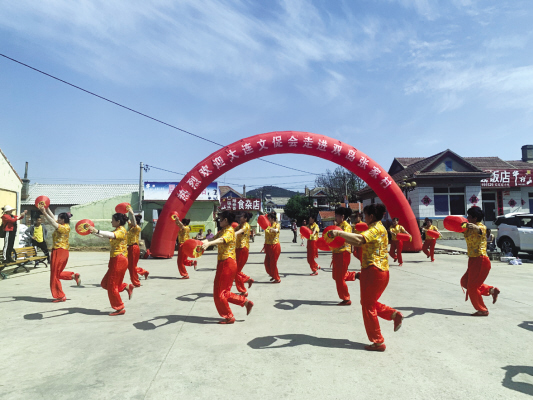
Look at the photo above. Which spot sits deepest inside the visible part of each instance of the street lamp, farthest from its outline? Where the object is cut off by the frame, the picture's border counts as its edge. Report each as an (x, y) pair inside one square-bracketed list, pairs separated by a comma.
[(407, 186)]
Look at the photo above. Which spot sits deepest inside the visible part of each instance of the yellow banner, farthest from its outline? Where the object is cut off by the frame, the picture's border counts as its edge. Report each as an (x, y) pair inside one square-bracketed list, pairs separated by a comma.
[(196, 228)]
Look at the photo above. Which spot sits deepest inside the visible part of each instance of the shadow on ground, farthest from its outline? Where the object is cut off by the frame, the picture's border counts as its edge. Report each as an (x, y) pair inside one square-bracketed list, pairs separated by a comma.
[(63, 312), (421, 311), (292, 340), (172, 319), (26, 298), (193, 296), (527, 325), (294, 304), (512, 371)]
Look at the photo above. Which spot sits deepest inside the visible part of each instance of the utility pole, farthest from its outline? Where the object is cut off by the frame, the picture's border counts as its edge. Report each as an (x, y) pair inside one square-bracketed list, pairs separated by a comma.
[(141, 188)]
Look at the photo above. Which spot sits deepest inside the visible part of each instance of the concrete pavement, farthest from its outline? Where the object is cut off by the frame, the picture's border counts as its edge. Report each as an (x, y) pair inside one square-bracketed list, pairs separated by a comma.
[(296, 343)]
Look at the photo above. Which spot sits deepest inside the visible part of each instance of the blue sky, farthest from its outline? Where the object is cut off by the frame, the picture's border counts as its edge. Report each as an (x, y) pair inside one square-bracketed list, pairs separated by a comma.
[(394, 78)]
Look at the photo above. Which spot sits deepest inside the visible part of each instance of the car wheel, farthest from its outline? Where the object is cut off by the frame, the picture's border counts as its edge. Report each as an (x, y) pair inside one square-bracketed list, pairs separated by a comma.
[(508, 246)]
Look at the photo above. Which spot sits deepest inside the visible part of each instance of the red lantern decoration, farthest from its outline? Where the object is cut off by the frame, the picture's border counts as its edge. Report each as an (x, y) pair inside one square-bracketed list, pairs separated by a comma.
[(333, 242), (175, 215), (42, 201), (455, 223), (433, 234), (322, 245), (122, 208), (361, 227), (305, 232), (263, 221), (192, 248), (82, 227), (234, 225), (404, 237)]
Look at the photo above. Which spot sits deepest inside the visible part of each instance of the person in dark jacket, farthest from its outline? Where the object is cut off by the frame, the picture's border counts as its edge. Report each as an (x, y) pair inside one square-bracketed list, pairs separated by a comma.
[(9, 224)]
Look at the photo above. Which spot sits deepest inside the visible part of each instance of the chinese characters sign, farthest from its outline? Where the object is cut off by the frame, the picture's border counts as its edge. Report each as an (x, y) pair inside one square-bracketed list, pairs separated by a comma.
[(508, 178), (161, 190), (237, 204)]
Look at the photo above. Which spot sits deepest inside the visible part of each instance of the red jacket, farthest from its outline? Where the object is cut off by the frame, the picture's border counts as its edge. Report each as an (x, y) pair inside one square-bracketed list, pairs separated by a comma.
[(9, 221)]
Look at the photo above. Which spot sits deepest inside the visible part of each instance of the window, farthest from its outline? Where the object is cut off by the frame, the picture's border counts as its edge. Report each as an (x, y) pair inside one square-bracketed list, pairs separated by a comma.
[(489, 196), (450, 201), (441, 205), (448, 165), (440, 190)]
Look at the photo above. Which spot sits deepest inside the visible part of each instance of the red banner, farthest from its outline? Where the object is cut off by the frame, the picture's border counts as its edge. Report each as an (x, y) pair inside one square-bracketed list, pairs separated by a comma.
[(237, 204), (508, 178)]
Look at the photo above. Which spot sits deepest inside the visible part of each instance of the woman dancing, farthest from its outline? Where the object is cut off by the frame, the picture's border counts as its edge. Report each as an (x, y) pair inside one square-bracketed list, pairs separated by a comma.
[(312, 250), (183, 236), (243, 248), (134, 252), (429, 243), (226, 269), (60, 253), (374, 275), (118, 263), (272, 248), (396, 246), (341, 257)]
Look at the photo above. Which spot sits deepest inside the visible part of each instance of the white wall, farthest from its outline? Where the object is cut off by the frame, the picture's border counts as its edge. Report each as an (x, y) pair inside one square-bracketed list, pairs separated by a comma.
[(516, 195), (471, 191), (423, 210), (525, 197)]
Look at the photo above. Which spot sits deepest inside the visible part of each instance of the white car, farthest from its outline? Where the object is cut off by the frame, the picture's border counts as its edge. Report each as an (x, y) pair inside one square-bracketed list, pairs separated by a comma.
[(515, 233)]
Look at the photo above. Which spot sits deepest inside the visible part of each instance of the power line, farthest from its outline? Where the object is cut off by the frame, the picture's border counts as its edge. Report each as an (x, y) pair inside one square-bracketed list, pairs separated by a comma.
[(140, 113)]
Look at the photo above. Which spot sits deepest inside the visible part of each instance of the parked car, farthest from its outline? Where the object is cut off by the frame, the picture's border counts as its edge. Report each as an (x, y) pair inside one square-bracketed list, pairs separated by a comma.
[(285, 224), (515, 233)]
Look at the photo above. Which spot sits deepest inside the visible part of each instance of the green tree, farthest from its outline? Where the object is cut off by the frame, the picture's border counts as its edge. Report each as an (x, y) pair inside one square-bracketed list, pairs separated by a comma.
[(298, 207)]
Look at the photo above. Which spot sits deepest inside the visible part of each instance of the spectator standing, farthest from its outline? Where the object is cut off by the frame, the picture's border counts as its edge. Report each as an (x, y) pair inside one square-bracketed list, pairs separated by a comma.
[(294, 229), (9, 222)]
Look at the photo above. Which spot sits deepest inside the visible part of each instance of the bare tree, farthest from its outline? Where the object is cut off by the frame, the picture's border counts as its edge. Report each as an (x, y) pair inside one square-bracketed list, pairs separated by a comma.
[(339, 182)]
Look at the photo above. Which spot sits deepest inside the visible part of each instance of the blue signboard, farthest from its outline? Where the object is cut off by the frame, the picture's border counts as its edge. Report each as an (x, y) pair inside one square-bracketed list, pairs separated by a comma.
[(161, 191)]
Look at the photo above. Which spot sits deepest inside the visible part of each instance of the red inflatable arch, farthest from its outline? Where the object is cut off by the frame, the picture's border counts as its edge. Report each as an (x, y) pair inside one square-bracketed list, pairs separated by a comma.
[(271, 143)]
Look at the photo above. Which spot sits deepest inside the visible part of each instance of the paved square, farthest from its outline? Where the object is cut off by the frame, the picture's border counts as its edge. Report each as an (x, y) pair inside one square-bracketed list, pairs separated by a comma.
[(296, 344)]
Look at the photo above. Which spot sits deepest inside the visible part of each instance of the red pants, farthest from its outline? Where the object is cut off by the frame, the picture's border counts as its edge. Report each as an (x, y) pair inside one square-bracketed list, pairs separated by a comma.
[(226, 271), (358, 253), (272, 252), (396, 247), (340, 275), (112, 281), (373, 284), (429, 248), (472, 281), (312, 253), (183, 262), (58, 262), (133, 258), (240, 277)]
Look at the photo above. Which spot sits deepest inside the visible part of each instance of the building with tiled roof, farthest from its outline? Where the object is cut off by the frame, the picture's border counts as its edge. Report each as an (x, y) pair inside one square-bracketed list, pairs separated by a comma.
[(10, 188), (228, 191), (448, 184)]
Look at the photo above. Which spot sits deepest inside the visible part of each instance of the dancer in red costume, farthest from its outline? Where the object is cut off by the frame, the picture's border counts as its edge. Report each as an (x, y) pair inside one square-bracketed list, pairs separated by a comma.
[(272, 248), (226, 269), (183, 235), (357, 251), (429, 243), (304, 223), (60, 253), (478, 263), (9, 224), (374, 275), (134, 230), (396, 246), (243, 247), (312, 250), (341, 258), (118, 262)]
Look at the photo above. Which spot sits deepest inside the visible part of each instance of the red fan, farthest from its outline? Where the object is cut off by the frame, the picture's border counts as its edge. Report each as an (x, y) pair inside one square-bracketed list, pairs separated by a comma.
[(234, 225), (175, 215), (192, 248), (122, 208), (305, 232), (455, 223), (404, 237), (433, 234), (82, 227), (361, 227), (263, 221), (333, 242), (322, 245), (42, 201)]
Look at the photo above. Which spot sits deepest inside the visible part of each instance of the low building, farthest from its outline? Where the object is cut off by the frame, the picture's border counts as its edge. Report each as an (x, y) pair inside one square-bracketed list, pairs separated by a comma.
[(318, 197), (10, 188), (327, 217), (229, 192), (448, 184)]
